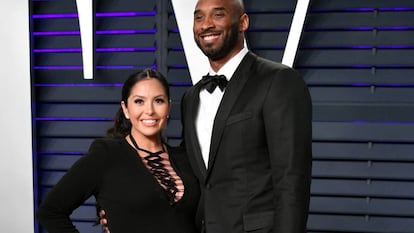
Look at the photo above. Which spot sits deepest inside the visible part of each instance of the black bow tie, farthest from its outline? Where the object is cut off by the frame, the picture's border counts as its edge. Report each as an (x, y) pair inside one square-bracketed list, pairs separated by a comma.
[(210, 82)]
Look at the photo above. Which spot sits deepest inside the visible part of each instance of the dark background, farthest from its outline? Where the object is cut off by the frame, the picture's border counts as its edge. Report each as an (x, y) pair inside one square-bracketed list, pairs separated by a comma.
[(357, 56)]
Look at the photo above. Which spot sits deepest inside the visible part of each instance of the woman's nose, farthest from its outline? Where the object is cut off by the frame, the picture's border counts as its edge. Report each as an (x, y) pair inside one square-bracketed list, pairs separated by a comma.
[(149, 109)]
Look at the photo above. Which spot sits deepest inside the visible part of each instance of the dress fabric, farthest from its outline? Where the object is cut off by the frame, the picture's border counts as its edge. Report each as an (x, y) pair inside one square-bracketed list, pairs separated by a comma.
[(132, 198)]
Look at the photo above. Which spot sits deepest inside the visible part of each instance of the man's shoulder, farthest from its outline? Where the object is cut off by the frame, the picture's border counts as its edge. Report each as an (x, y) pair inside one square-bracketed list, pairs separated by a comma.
[(267, 63), (271, 70)]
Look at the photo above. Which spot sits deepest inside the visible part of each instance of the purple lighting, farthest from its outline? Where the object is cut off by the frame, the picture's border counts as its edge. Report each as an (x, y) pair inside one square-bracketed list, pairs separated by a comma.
[(393, 85), (63, 50), (57, 67), (77, 50), (361, 85), (395, 46), (105, 14), (72, 119), (56, 33), (361, 47), (53, 16), (116, 67), (106, 32), (126, 14), (80, 67), (120, 32), (79, 85), (60, 153), (396, 28), (125, 49), (397, 9), (365, 9)]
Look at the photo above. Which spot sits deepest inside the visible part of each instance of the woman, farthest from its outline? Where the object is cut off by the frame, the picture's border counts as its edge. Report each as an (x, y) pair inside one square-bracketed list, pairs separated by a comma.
[(143, 184)]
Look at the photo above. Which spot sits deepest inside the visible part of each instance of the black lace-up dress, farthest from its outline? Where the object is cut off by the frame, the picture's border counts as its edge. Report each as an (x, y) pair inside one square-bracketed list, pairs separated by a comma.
[(122, 182)]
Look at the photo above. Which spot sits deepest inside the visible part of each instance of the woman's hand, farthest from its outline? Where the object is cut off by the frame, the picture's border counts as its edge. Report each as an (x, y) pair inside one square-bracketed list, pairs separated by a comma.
[(103, 221)]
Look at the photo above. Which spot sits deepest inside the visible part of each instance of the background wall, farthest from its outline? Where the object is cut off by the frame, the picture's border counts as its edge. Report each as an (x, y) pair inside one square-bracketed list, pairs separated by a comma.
[(16, 181), (356, 57)]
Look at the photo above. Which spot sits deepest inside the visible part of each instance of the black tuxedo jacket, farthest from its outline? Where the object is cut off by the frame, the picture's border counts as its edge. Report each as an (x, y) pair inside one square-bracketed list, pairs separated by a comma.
[(259, 170)]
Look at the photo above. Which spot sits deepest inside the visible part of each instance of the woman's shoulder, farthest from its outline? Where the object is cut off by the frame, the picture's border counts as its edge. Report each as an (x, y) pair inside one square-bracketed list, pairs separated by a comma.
[(106, 144), (108, 141)]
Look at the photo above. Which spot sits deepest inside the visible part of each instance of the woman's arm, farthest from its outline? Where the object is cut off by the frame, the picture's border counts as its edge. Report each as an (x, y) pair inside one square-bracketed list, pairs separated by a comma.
[(78, 184)]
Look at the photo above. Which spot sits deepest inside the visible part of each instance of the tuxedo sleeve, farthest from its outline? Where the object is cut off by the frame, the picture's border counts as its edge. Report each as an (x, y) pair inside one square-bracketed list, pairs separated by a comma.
[(288, 121)]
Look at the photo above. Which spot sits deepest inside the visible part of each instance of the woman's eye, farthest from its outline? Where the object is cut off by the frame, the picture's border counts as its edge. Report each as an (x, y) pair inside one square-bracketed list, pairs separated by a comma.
[(138, 101), (159, 101)]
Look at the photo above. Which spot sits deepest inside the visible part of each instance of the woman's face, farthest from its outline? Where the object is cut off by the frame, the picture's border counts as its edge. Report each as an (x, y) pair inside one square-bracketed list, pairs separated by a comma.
[(147, 108)]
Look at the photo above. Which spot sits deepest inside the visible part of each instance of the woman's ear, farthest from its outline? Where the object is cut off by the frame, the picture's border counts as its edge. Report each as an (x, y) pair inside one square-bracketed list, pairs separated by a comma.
[(169, 109), (124, 109)]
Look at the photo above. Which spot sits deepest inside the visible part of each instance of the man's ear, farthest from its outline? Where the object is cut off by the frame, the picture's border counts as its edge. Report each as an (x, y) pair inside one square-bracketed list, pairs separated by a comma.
[(244, 22)]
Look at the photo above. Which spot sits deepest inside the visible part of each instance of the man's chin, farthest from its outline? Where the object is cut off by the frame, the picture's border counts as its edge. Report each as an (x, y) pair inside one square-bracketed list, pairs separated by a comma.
[(211, 54)]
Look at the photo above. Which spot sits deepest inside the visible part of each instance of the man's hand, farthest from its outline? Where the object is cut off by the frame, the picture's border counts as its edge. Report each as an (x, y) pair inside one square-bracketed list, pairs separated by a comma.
[(103, 221)]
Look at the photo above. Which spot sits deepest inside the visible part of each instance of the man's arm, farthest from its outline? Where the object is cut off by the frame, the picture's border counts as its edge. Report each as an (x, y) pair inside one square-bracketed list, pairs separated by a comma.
[(288, 121)]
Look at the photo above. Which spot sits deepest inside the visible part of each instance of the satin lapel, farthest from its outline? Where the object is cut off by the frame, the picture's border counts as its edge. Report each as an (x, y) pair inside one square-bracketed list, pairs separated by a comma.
[(194, 96), (230, 97)]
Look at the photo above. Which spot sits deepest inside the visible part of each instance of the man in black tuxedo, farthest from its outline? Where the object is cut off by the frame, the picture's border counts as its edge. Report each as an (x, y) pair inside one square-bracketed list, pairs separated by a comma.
[(250, 144)]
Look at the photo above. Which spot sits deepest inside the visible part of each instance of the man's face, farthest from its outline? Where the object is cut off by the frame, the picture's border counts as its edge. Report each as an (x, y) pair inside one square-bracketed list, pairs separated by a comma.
[(216, 28)]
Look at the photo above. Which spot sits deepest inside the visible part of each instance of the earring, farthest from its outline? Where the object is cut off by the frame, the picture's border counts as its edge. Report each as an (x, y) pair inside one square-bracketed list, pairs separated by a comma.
[(126, 116)]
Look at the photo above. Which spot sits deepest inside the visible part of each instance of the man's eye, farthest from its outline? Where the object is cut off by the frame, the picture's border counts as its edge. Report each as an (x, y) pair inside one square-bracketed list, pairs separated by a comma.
[(198, 17)]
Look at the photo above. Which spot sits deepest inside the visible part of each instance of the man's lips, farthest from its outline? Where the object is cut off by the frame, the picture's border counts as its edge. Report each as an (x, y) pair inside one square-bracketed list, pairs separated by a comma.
[(210, 36)]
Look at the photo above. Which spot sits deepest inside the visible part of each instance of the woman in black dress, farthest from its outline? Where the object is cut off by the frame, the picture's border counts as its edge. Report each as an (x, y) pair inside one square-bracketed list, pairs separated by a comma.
[(143, 184)]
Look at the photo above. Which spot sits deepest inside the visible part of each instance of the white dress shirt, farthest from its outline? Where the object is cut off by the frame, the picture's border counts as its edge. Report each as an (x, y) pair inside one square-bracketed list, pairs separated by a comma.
[(209, 103)]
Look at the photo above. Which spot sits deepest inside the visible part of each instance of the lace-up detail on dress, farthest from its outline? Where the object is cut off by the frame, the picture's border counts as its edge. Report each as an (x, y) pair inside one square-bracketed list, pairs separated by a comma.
[(160, 167)]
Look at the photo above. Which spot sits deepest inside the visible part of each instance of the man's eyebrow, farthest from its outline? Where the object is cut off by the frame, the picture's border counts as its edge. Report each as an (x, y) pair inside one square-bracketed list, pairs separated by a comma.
[(221, 8), (196, 11)]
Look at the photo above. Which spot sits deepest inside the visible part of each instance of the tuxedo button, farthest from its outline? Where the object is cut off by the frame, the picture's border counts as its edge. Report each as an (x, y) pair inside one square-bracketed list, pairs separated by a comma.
[(208, 186)]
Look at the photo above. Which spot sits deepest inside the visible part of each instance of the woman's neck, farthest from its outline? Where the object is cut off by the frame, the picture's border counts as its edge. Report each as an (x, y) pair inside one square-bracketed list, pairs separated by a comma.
[(147, 143)]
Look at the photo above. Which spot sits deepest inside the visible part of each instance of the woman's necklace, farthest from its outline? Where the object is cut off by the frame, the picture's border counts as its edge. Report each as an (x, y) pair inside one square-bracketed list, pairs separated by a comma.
[(158, 170)]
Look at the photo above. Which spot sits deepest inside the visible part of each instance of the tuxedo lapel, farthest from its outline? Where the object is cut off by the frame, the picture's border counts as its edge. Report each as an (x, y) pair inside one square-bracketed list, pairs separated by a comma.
[(191, 113), (231, 94)]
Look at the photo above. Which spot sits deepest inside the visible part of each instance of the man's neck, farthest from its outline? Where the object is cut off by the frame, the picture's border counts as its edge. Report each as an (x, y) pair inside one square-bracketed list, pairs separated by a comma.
[(217, 64)]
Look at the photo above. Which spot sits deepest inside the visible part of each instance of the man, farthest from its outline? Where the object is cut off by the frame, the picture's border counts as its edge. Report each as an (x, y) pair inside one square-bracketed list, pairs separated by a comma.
[(250, 146)]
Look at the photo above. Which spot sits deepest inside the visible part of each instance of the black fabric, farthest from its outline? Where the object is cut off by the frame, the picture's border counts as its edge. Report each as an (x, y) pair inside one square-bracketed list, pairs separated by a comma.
[(158, 170), (133, 200), (210, 82)]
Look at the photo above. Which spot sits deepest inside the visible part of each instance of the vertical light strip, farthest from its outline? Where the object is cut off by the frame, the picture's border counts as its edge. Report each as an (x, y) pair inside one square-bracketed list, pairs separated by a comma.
[(295, 32), (16, 165), (197, 62), (85, 13)]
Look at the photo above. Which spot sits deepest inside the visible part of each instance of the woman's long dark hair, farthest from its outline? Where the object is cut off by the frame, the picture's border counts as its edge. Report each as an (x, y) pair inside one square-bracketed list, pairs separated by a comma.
[(122, 126)]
